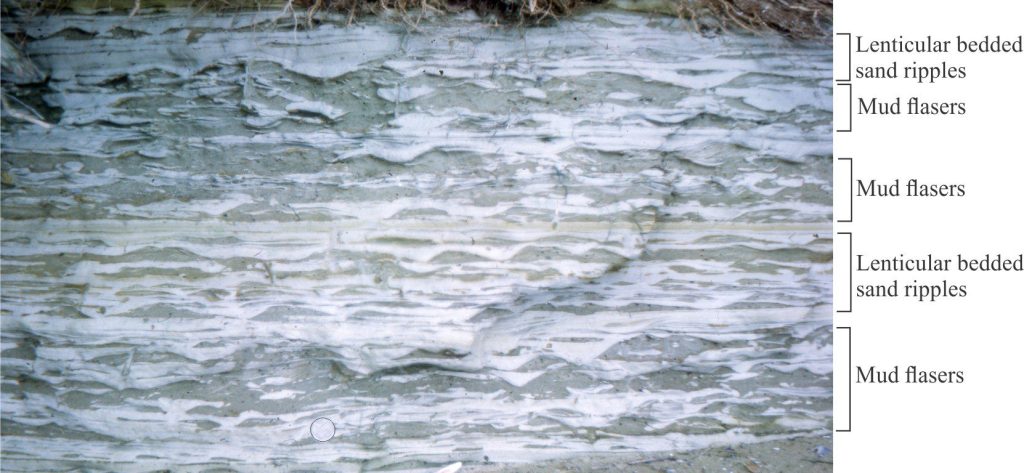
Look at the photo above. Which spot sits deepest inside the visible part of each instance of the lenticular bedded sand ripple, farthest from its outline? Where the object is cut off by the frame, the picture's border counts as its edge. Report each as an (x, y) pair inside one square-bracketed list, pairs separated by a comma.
[(455, 242)]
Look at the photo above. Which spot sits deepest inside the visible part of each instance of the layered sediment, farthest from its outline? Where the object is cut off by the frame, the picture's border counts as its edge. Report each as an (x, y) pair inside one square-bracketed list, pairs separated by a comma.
[(457, 242)]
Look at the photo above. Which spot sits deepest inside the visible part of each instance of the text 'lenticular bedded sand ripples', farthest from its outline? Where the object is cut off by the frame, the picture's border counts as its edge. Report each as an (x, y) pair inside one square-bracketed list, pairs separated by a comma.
[(457, 242)]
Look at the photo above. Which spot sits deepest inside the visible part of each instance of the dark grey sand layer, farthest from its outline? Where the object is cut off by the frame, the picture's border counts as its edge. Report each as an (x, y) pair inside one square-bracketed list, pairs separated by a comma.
[(798, 455)]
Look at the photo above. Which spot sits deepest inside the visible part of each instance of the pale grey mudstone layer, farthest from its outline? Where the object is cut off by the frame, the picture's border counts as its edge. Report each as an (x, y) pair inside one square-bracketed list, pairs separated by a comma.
[(456, 242)]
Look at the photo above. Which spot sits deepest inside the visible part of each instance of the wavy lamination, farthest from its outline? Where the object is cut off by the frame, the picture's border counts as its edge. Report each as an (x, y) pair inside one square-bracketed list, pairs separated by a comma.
[(608, 235)]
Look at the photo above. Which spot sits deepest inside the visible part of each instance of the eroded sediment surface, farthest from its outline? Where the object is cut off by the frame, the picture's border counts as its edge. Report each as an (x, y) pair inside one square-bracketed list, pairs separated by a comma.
[(456, 241)]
